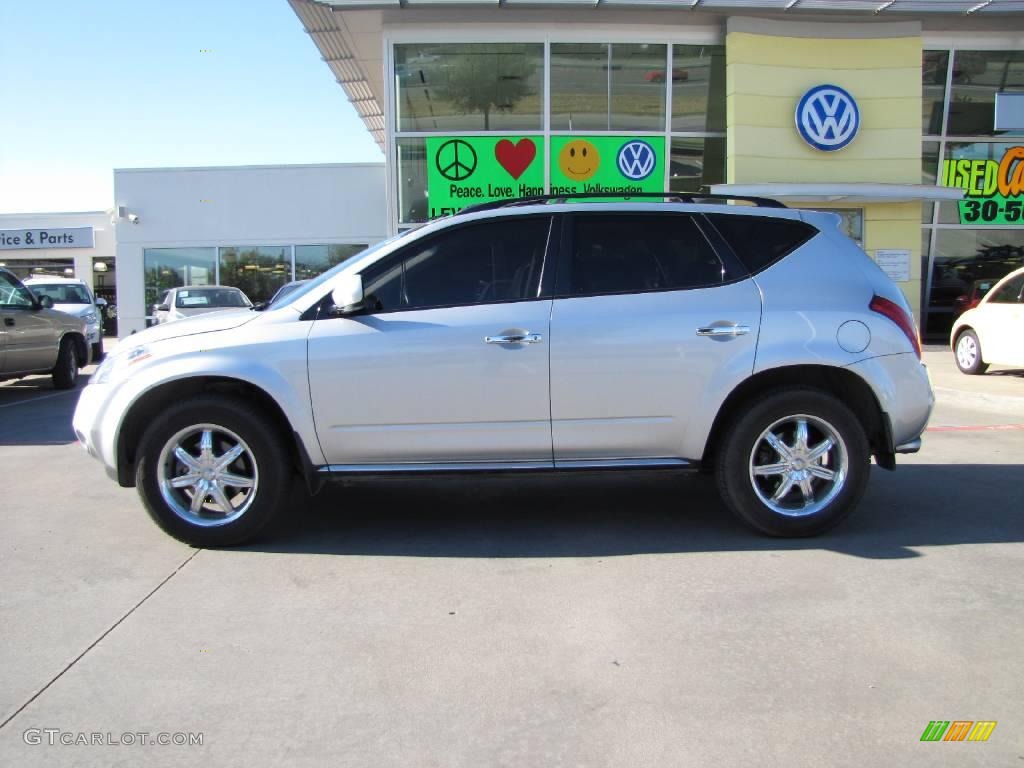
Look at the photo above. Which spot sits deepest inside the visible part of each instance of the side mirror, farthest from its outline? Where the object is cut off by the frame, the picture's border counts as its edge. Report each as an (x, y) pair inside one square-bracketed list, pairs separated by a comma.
[(348, 295), (45, 302), (100, 301), (163, 308)]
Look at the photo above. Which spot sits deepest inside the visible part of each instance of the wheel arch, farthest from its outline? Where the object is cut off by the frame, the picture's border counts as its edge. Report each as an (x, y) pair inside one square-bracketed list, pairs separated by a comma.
[(81, 346), (150, 404), (843, 384)]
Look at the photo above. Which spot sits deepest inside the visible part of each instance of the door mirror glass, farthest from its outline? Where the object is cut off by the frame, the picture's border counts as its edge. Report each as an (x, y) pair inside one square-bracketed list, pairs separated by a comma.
[(348, 294), (163, 308), (45, 302)]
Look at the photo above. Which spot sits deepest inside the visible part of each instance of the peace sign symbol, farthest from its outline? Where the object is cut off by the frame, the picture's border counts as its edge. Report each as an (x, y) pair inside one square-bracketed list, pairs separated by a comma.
[(456, 160)]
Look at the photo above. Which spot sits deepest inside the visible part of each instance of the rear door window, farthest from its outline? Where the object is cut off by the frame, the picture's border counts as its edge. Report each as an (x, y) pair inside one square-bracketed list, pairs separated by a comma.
[(760, 241), (634, 253)]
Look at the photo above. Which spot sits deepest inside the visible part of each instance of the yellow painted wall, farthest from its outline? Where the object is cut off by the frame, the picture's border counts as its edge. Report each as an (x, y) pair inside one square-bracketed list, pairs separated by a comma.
[(766, 74)]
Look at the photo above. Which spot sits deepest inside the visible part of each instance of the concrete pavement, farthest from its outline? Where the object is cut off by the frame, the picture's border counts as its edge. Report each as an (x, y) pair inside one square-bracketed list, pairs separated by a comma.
[(521, 621)]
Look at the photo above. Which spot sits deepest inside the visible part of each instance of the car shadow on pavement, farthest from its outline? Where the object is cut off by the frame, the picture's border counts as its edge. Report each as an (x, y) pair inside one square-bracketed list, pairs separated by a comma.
[(601, 515), (32, 412)]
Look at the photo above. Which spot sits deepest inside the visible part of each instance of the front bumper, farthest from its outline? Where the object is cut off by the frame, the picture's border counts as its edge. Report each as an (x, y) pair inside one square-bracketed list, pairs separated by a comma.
[(95, 427)]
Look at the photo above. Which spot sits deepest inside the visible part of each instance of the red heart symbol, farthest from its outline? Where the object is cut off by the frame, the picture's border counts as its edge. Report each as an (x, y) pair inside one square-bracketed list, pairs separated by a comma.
[(515, 158)]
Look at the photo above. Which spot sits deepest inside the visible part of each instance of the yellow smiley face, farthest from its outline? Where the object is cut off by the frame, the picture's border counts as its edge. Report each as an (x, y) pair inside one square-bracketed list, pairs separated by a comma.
[(578, 160)]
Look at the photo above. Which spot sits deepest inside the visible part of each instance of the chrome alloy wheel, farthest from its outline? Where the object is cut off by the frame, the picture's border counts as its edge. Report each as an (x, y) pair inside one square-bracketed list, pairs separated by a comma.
[(207, 475), (966, 351), (798, 465)]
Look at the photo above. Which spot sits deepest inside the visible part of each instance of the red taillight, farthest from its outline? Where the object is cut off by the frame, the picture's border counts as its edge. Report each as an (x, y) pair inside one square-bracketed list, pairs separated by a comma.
[(898, 315)]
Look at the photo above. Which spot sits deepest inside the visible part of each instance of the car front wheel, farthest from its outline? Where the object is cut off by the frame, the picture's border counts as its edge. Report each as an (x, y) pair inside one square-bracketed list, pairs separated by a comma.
[(968, 354), (212, 473), (795, 464)]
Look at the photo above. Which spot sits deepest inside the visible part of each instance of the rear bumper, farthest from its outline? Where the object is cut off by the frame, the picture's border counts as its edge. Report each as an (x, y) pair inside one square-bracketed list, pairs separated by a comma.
[(904, 391)]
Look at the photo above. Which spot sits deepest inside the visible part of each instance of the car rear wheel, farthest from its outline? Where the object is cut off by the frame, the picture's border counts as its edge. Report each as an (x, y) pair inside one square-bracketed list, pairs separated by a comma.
[(212, 472), (65, 371), (968, 354), (795, 464)]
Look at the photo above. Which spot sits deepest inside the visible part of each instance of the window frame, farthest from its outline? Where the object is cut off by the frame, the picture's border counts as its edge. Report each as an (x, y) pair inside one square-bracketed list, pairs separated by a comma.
[(990, 297), (734, 270), (541, 287)]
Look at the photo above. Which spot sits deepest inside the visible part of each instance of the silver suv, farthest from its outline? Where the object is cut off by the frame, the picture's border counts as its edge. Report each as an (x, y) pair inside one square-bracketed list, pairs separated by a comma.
[(34, 338), (757, 342)]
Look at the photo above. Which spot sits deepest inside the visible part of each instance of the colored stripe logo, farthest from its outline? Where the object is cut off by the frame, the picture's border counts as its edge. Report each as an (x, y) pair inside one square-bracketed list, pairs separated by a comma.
[(958, 730)]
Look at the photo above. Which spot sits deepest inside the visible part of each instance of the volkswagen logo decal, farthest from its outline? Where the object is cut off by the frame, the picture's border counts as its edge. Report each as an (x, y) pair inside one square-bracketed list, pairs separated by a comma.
[(636, 160), (827, 118)]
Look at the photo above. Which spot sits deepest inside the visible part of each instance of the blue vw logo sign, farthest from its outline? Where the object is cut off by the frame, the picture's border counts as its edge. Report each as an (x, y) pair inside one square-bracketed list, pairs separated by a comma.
[(827, 117), (636, 160)]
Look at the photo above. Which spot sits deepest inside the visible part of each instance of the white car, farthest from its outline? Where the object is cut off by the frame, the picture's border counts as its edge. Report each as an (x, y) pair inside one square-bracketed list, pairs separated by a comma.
[(993, 332), (191, 300), (72, 296)]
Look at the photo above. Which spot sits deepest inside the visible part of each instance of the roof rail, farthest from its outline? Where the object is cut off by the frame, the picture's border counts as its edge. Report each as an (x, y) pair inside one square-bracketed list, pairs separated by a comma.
[(670, 197)]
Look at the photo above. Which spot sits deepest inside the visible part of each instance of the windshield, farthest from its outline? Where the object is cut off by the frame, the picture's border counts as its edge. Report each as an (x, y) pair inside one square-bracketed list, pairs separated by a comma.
[(198, 298), (62, 293), (316, 282)]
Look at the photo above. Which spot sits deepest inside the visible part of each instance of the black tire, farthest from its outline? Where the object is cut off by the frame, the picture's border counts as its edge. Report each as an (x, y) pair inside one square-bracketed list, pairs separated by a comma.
[(65, 371), (967, 354), (264, 460), (97, 351), (745, 445)]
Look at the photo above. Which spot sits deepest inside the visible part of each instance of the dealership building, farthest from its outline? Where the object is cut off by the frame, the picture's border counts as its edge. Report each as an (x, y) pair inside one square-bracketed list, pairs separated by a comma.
[(905, 117), (882, 110)]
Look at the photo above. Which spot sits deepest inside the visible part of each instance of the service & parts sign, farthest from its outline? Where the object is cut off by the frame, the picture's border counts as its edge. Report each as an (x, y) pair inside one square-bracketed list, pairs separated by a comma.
[(466, 170)]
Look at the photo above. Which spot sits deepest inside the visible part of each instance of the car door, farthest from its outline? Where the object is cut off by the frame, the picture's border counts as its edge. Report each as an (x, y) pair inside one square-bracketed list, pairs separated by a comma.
[(647, 319), (30, 335), (451, 366), (998, 323)]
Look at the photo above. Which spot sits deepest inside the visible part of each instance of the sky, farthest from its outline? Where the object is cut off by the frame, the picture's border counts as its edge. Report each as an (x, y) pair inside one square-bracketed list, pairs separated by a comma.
[(87, 86)]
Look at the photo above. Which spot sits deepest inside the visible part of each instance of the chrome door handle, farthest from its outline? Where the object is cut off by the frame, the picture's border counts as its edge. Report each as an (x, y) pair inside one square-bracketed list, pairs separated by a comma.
[(515, 338), (723, 330)]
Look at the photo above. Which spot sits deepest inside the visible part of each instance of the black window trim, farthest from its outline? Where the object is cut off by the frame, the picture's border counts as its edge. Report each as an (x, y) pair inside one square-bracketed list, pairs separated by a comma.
[(734, 269), (544, 283)]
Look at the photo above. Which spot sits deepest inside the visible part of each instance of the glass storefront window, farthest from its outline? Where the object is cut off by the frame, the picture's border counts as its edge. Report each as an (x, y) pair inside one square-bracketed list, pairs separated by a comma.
[(606, 87), (698, 88), (929, 175), (977, 77), (411, 170), (962, 257), (174, 267), (934, 67), (257, 270), (696, 163), (469, 87), (312, 260)]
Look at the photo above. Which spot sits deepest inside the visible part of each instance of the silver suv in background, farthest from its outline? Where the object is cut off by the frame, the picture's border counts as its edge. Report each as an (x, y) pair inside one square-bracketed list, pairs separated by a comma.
[(74, 297), (35, 338), (756, 342)]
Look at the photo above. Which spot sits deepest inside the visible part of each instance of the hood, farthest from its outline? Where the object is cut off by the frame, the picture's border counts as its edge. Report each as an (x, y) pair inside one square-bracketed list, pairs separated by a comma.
[(78, 310), (211, 321)]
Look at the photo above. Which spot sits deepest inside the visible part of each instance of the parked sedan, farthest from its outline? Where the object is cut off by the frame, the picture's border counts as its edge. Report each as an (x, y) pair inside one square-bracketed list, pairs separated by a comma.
[(192, 300), (991, 333)]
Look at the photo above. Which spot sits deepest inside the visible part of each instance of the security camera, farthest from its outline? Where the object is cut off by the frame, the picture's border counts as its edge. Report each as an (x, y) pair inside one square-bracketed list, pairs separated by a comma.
[(133, 218)]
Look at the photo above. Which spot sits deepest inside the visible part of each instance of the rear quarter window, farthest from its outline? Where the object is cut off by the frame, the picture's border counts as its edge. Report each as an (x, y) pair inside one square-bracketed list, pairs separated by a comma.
[(760, 241)]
